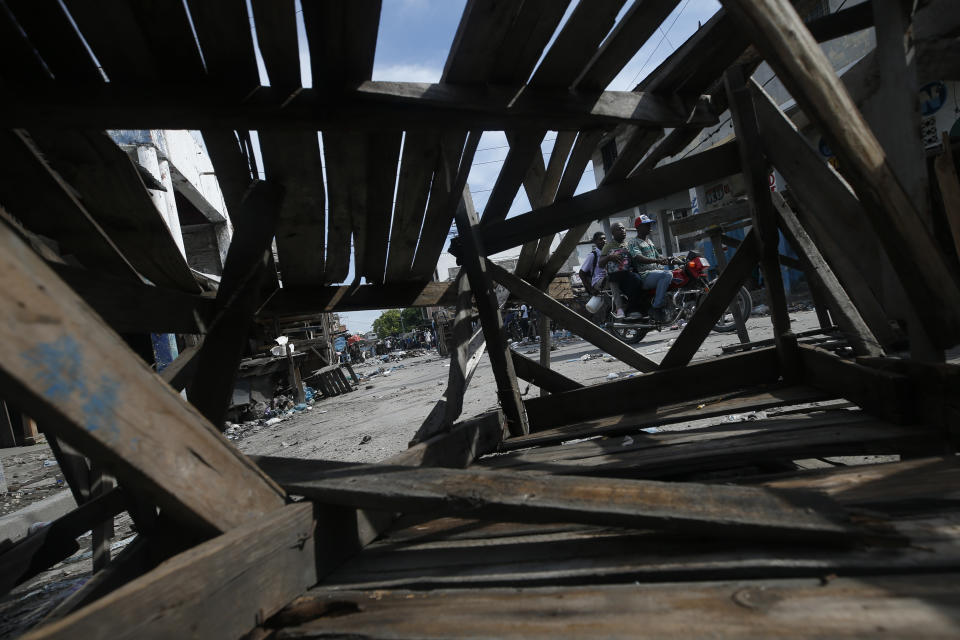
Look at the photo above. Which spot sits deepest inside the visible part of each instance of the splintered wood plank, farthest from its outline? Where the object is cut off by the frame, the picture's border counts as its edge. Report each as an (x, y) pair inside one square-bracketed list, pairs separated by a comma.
[(443, 201), (804, 69), (574, 321), (383, 156), (482, 28), (292, 160), (679, 454), (118, 43), (562, 215), (19, 64), (723, 374), (49, 30), (39, 197), (222, 588), (77, 377), (342, 37), (759, 609), (698, 409), (421, 152), (113, 192), (514, 496)]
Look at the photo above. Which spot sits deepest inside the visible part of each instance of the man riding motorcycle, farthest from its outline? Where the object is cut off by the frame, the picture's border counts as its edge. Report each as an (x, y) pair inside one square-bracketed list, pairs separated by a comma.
[(632, 266)]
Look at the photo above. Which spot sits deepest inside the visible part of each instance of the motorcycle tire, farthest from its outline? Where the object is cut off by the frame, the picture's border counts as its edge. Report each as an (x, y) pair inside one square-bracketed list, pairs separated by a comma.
[(742, 305), (630, 336)]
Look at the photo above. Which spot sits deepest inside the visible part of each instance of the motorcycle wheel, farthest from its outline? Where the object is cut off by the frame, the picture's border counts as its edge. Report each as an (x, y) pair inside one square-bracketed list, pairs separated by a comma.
[(742, 306), (630, 336)]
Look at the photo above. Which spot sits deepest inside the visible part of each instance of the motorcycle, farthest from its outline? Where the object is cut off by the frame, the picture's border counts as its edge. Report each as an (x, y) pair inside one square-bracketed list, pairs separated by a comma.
[(689, 286)]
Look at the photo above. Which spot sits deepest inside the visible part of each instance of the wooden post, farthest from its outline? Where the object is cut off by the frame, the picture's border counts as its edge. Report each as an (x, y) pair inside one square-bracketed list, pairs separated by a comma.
[(237, 299), (544, 330), (949, 189), (100, 484), (766, 234), (716, 239), (471, 256), (294, 372), (7, 438)]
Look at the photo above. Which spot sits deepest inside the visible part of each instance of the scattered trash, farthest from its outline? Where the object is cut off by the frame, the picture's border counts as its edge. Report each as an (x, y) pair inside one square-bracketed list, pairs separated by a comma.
[(608, 358), (650, 430), (288, 444), (627, 441), (366, 439), (273, 421), (585, 357), (49, 463), (745, 417), (370, 386), (701, 406), (300, 407), (612, 376)]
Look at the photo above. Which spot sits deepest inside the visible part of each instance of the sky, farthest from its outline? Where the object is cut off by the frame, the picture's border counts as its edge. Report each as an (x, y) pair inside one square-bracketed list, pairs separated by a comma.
[(412, 45)]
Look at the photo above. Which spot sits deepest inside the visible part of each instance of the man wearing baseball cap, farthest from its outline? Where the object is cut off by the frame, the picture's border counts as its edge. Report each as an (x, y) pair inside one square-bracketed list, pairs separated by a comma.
[(647, 259)]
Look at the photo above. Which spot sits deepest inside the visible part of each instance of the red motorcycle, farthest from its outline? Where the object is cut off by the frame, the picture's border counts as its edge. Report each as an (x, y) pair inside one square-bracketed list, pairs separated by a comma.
[(689, 286)]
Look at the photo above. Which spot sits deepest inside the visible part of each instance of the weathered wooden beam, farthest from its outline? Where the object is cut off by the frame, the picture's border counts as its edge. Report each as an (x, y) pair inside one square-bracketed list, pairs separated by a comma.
[(237, 300), (845, 607), (535, 373), (779, 33), (885, 394), (721, 217), (763, 215), (221, 588), (570, 319), (180, 372), (720, 254), (650, 390), (949, 183), (373, 106), (131, 307), (521, 497), (817, 269), (465, 355), (78, 378), (471, 252), (56, 541), (601, 202), (724, 290)]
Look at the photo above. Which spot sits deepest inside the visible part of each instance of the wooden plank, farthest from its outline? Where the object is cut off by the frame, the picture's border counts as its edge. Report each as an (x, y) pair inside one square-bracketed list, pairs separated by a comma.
[(383, 154), (803, 67), (888, 395), (697, 169), (570, 319), (223, 31), (130, 307), (447, 191), (465, 355), (471, 252), (20, 66), (763, 215), (718, 299), (524, 147), (309, 301), (180, 372), (292, 160), (829, 209), (817, 269), (49, 30), (724, 216), (77, 377), (756, 444), (276, 24), (460, 446), (238, 297), (843, 608), (536, 373), (949, 183), (46, 205), (717, 240), (56, 541), (346, 158), (698, 409), (650, 390), (517, 496), (245, 575), (421, 154)]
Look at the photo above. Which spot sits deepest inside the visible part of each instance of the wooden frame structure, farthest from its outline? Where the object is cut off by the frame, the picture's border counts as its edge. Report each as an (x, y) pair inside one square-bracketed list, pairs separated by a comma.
[(480, 528)]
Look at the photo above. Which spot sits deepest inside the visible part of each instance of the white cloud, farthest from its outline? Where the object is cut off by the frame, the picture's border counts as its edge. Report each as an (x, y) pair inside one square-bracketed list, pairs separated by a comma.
[(408, 73)]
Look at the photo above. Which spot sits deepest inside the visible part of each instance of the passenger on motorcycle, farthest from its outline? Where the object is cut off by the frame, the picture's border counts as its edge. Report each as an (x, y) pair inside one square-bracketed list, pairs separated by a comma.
[(647, 259), (617, 259)]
